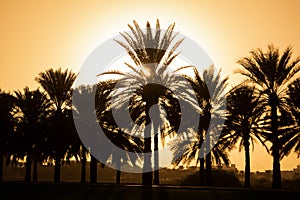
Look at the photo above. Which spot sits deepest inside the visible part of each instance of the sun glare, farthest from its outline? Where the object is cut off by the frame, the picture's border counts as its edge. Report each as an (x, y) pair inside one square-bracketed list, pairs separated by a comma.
[(118, 64)]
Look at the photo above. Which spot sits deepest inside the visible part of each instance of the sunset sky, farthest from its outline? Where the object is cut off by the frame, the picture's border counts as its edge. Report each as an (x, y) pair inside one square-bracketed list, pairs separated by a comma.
[(37, 35)]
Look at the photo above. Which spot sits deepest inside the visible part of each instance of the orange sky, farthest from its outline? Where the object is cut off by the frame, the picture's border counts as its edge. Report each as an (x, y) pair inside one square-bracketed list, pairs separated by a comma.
[(36, 35)]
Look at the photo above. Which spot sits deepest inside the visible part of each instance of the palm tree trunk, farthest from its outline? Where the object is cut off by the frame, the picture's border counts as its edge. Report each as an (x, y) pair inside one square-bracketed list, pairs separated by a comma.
[(202, 151), (208, 176), (276, 179), (202, 168), (83, 165), (1, 165), (93, 170), (57, 169), (156, 161), (208, 164), (118, 170), (276, 167), (118, 177), (28, 168), (35, 169), (147, 175), (247, 163), (202, 162)]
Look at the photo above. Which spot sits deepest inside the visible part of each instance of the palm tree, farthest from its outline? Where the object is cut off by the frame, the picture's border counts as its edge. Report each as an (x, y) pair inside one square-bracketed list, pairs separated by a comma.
[(214, 109), (243, 122), (93, 169), (113, 132), (209, 91), (188, 146), (142, 87), (7, 104), (187, 150), (34, 108), (83, 115), (57, 84), (291, 139), (271, 75)]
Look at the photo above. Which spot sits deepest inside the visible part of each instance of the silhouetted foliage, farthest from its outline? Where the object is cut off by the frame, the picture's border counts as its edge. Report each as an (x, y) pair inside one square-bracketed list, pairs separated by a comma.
[(291, 139), (148, 51), (83, 114), (202, 142), (38, 126), (33, 108), (113, 132), (57, 84), (243, 122), (271, 74), (7, 126)]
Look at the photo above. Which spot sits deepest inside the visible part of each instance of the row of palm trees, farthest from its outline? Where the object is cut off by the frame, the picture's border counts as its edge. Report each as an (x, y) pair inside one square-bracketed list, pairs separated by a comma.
[(38, 125), (269, 89)]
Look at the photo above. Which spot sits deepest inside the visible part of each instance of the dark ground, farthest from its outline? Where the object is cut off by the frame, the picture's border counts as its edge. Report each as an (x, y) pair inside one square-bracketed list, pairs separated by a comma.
[(74, 191)]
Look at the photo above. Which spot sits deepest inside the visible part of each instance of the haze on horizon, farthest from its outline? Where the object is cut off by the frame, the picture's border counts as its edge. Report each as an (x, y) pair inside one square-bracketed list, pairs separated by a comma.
[(37, 35)]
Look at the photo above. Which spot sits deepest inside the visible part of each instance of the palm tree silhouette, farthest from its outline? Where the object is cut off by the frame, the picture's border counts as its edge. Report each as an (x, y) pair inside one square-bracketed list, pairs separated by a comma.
[(149, 53), (187, 149), (113, 132), (34, 108), (291, 139), (243, 122), (271, 75), (209, 91), (7, 125), (83, 114), (213, 103), (93, 169), (57, 84)]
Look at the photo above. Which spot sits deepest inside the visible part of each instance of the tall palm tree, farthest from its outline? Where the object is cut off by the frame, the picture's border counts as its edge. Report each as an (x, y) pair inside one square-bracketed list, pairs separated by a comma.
[(271, 75), (149, 52), (7, 105), (243, 122), (57, 84), (209, 90), (34, 109)]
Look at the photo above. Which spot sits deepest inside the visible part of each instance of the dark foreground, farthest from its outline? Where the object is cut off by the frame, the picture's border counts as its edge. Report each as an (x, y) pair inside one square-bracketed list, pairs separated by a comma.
[(70, 191)]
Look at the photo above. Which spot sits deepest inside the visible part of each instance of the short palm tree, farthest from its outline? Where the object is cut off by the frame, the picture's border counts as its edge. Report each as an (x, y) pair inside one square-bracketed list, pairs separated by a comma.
[(186, 150), (82, 114), (57, 84), (146, 84), (209, 90), (34, 108), (243, 122), (113, 132), (271, 74)]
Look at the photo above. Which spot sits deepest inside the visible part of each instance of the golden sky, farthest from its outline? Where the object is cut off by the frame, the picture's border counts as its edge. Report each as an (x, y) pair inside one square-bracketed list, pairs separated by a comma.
[(37, 35)]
